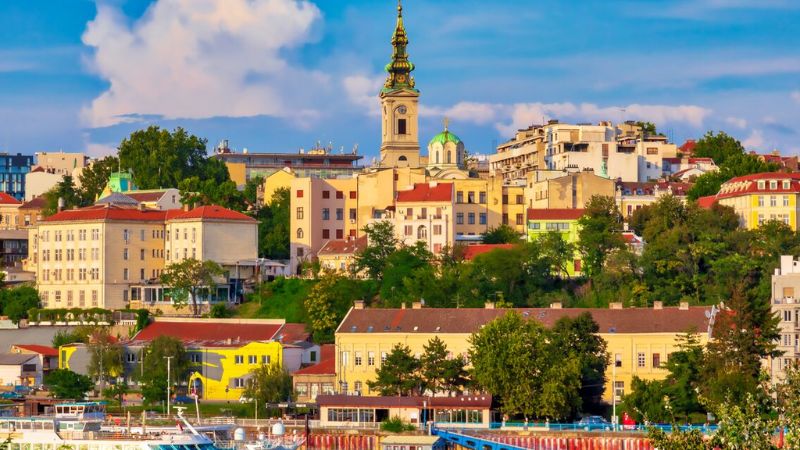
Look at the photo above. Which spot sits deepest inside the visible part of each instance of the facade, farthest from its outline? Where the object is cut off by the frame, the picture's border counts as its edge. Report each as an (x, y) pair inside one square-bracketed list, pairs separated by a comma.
[(9, 212), (632, 196), (318, 162), (447, 157), (48, 356), (13, 247), (17, 369), (109, 255), (425, 214), (685, 167), (317, 379), (562, 221), (760, 197), (639, 339), (38, 181), (12, 173), (338, 255), (786, 306), (61, 163), (519, 156), (560, 190)]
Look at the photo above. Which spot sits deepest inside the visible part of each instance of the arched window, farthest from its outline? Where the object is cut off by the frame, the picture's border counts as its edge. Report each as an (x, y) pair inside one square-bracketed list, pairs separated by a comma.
[(299, 233), (448, 159), (402, 158), (422, 232), (436, 153)]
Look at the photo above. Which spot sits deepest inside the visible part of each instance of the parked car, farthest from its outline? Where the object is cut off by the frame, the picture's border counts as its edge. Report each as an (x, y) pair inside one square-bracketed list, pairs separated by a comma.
[(10, 395), (590, 423), (183, 399)]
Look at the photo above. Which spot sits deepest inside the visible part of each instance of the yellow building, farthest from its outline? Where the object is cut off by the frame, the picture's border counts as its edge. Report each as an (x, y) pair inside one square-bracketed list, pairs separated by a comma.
[(281, 179), (759, 198), (560, 190), (639, 339), (338, 255), (110, 254)]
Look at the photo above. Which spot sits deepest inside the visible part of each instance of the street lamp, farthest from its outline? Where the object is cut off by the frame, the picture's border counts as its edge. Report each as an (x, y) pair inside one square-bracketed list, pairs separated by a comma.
[(169, 378)]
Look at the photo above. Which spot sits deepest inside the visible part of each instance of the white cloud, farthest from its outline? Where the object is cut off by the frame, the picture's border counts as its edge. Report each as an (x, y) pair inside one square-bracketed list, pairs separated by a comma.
[(202, 58), (755, 141), (795, 96), (362, 91), (736, 121), (470, 112)]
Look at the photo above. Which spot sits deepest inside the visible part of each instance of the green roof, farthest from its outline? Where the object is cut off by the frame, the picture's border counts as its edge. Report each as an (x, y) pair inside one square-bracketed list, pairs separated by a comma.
[(445, 137)]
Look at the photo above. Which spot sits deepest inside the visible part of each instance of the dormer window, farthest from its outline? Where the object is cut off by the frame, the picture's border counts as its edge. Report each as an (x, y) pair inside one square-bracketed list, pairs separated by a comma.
[(773, 184), (786, 184), (761, 184)]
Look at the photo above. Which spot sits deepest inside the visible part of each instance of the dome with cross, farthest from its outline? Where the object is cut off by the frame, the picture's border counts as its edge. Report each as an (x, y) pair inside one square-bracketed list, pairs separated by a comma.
[(446, 151)]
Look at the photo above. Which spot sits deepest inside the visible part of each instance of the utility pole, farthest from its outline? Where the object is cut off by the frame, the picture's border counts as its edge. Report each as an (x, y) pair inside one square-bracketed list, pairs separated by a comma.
[(169, 380)]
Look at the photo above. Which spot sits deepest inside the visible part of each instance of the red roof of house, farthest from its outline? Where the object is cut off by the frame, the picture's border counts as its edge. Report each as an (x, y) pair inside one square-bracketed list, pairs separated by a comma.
[(215, 212), (688, 146), (210, 330), (40, 349), (343, 246), (34, 203), (6, 199), (471, 251), (427, 192), (293, 332), (707, 202), (554, 214), (748, 184), (473, 401), (631, 238), (326, 364), (107, 212)]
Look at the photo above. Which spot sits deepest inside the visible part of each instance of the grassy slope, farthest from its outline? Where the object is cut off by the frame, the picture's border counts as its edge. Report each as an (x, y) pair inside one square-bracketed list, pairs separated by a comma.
[(281, 299)]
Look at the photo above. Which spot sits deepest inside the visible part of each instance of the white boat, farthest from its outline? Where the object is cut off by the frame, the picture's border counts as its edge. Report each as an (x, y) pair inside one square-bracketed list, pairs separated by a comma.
[(78, 426), (278, 440)]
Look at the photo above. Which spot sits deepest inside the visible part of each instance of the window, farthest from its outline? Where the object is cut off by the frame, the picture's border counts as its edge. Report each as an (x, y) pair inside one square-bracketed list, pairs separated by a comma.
[(141, 234), (69, 298), (141, 274), (773, 184), (125, 254), (353, 195), (238, 359), (422, 232), (264, 359), (252, 359), (299, 193), (520, 219), (299, 213), (126, 235), (238, 382), (326, 194), (339, 195), (299, 233), (471, 218), (785, 200), (459, 197), (470, 197), (408, 230), (482, 197), (95, 234), (340, 234), (301, 389), (357, 358), (423, 213), (618, 360), (196, 357), (383, 358), (401, 126), (70, 254), (82, 254), (57, 296), (640, 359), (312, 356), (81, 298), (339, 213), (352, 214), (773, 201), (652, 150), (141, 254), (345, 358), (437, 230), (370, 358), (482, 218), (125, 274), (94, 297), (619, 390), (520, 199), (81, 234), (459, 218), (326, 234), (326, 214), (656, 360), (130, 357)]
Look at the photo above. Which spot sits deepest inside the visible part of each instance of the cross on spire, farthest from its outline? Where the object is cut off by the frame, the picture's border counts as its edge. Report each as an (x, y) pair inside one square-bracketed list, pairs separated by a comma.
[(446, 122), (399, 8)]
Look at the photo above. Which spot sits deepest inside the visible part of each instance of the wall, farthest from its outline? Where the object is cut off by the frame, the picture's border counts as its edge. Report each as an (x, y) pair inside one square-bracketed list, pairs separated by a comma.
[(219, 368)]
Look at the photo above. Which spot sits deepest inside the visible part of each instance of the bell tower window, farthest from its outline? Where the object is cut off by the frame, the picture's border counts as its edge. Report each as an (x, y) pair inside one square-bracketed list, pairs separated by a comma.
[(401, 126)]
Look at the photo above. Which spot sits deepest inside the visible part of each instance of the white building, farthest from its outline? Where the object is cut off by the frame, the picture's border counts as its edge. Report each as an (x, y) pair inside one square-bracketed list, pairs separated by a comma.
[(786, 305)]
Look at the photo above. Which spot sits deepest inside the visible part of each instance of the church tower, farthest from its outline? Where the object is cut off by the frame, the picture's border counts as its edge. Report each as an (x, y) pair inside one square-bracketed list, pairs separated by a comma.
[(399, 105)]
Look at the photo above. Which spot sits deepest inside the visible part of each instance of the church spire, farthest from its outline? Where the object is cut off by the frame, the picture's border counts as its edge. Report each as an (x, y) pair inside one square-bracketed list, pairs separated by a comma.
[(400, 67)]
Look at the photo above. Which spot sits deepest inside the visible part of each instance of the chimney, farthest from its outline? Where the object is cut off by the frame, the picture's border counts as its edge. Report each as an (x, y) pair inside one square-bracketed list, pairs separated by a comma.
[(358, 304), (60, 204), (403, 305), (615, 305), (684, 306), (658, 304), (489, 305), (416, 305), (555, 305)]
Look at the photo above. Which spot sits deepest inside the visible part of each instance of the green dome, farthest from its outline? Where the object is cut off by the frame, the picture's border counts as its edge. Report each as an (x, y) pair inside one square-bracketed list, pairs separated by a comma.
[(445, 137)]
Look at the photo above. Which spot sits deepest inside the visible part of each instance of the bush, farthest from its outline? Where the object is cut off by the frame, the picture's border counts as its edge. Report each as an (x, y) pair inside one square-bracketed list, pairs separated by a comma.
[(219, 311), (396, 425)]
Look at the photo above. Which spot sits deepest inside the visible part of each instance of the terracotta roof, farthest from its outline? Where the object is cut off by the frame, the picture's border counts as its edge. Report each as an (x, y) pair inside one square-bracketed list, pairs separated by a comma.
[(472, 251), (215, 212), (40, 349), (468, 401), (469, 320), (554, 214), (106, 212), (6, 199), (631, 238), (707, 202), (748, 184), (326, 364), (210, 330), (293, 332), (688, 146), (343, 246), (153, 196), (34, 203), (427, 192)]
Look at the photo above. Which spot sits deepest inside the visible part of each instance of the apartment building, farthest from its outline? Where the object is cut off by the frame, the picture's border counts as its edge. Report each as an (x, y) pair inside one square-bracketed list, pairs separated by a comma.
[(12, 173), (562, 221), (786, 306), (760, 197), (106, 255), (425, 214), (518, 156), (565, 190), (633, 196), (639, 339)]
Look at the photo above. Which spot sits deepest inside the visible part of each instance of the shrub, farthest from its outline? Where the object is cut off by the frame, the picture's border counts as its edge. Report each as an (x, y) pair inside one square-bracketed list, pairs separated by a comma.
[(396, 425)]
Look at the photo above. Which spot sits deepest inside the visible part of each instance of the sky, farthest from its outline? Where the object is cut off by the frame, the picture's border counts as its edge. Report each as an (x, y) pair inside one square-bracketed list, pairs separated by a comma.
[(280, 75)]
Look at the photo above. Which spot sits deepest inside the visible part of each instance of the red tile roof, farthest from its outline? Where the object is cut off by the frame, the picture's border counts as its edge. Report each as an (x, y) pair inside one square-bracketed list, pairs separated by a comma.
[(554, 214), (40, 349), (6, 199), (343, 246), (471, 251), (210, 330), (427, 192), (469, 320), (707, 202), (34, 203), (291, 333), (473, 401), (107, 212), (214, 212), (688, 147), (326, 364), (748, 184)]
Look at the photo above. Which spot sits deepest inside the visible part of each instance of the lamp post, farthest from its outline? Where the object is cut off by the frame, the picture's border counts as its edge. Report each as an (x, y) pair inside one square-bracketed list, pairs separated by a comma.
[(169, 378)]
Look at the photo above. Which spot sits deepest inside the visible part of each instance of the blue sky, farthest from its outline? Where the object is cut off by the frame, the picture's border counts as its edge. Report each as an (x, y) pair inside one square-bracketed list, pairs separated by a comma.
[(277, 75)]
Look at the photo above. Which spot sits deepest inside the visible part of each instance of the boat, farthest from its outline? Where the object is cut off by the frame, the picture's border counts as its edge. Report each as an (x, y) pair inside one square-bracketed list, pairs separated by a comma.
[(277, 440), (79, 426)]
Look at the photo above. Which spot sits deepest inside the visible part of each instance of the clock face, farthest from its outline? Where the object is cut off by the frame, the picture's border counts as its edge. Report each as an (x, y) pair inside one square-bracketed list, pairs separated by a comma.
[(401, 109)]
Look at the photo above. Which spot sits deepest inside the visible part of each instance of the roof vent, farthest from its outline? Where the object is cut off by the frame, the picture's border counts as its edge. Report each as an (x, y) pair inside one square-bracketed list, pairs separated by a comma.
[(416, 305), (684, 306), (615, 305), (358, 304), (416, 328), (555, 305), (369, 329), (353, 328), (489, 305), (658, 304)]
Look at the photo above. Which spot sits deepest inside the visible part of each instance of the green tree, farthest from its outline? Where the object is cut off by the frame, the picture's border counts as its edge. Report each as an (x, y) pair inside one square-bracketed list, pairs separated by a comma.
[(273, 228), (66, 384), (189, 278), (502, 234), (64, 191), (196, 191), (788, 396), (718, 146), (158, 158), (578, 338), (105, 359), (154, 379), (399, 268), (94, 178), (269, 383), (381, 244), (440, 373), (677, 439), (253, 191), (746, 424), (16, 302), (116, 391), (399, 374), (328, 302), (646, 401), (648, 128), (599, 233), (557, 252)]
